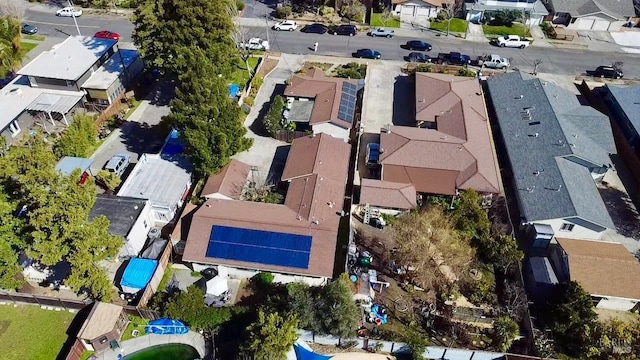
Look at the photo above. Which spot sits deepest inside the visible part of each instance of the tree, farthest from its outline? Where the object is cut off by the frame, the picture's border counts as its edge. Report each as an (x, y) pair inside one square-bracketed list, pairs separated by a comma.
[(79, 139), (13, 9), (109, 179), (336, 310), (271, 336), (10, 45), (301, 303), (273, 119), (242, 36), (10, 230), (417, 343), (450, 8), (166, 30), (469, 217), (353, 10), (189, 307), (505, 330), (536, 63)]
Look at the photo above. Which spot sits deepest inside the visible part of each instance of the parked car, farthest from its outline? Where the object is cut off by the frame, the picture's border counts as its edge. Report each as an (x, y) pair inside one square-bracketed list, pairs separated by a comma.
[(418, 45), (514, 41), (367, 54), (373, 154), (255, 44), (382, 32), (287, 25), (28, 29), (117, 164), (453, 58), (315, 29), (69, 12), (492, 61), (418, 57), (104, 34), (606, 72), (349, 30)]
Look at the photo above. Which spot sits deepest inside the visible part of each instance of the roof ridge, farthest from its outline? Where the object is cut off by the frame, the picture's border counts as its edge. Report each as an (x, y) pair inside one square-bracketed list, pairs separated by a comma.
[(439, 98)]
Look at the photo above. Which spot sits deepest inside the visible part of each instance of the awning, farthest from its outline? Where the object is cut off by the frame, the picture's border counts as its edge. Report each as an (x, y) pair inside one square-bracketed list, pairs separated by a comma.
[(54, 103), (217, 286)]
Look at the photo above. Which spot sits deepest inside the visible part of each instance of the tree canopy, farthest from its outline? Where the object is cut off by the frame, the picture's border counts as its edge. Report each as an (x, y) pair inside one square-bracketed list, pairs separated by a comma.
[(271, 336), (189, 307), (338, 312), (10, 48)]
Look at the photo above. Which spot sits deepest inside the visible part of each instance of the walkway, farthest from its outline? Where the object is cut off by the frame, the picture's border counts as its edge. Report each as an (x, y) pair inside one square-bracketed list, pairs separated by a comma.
[(130, 346), (475, 33)]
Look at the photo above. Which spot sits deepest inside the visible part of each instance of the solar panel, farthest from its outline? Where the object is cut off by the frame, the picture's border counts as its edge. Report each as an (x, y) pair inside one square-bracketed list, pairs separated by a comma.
[(263, 247), (348, 100)]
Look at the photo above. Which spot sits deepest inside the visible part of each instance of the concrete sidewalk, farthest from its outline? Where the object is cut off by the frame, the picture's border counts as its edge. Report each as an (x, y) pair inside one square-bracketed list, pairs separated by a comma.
[(136, 344), (475, 33)]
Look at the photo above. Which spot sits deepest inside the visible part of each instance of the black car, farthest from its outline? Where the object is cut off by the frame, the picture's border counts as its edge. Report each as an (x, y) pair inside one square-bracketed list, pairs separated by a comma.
[(315, 29), (417, 45), (28, 29), (367, 54), (345, 30), (418, 57), (606, 72)]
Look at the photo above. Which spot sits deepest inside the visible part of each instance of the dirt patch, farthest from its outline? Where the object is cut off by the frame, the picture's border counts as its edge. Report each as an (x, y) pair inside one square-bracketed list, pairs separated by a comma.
[(268, 64)]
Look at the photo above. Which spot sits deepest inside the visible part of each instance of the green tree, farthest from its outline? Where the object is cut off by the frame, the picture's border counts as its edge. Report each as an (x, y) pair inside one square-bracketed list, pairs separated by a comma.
[(271, 336), (337, 312), (505, 330), (417, 342), (79, 139), (10, 46), (189, 307), (301, 303), (10, 230), (273, 119), (109, 179), (165, 31), (470, 218)]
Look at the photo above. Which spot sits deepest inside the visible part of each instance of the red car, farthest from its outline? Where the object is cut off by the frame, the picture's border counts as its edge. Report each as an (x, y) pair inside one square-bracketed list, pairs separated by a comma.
[(104, 34)]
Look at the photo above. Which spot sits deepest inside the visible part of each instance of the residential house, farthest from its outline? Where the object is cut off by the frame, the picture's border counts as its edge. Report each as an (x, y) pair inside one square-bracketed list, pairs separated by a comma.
[(557, 149), (533, 11), (129, 218), (606, 270), (104, 327), (389, 197), (451, 149), (322, 104), (228, 183), (416, 11), (296, 240), (113, 77), (598, 15)]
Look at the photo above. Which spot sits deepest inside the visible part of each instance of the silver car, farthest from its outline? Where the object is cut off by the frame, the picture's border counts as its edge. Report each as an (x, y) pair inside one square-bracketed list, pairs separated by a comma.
[(382, 32)]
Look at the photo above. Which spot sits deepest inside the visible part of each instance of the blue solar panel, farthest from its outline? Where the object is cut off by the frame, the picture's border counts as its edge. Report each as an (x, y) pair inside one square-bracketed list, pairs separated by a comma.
[(263, 247)]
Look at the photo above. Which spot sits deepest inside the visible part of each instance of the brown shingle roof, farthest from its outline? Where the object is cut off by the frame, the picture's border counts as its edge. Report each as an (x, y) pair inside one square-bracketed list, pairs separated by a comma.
[(388, 194), (317, 169), (101, 320), (326, 92), (457, 154), (229, 181), (602, 268)]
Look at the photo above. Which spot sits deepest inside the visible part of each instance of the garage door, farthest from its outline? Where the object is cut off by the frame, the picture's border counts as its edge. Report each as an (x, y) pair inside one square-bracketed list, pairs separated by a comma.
[(407, 10), (583, 24), (423, 11), (600, 25)]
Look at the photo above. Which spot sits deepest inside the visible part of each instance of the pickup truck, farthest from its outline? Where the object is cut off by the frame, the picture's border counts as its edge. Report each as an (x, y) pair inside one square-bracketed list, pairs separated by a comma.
[(512, 41), (453, 58), (255, 44), (382, 32), (492, 61)]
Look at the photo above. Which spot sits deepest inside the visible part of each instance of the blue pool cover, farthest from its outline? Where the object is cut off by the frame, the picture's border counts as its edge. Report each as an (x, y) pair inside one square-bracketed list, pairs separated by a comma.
[(233, 90), (166, 326), (137, 274), (257, 246), (304, 354)]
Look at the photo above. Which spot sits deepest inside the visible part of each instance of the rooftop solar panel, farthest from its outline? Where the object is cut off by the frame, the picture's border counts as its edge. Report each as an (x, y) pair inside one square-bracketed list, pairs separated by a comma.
[(263, 247)]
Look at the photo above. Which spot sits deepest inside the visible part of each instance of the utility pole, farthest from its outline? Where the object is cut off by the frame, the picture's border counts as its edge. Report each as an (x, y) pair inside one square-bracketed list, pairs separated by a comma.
[(73, 15)]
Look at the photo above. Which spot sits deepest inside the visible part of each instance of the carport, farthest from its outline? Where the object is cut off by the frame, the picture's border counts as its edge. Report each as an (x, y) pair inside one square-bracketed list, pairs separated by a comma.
[(54, 103)]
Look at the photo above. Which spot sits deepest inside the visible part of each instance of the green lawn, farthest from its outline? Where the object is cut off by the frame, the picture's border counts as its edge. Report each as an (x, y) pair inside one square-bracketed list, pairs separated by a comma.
[(457, 25), (391, 23), (137, 323), (28, 332), (26, 47), (33, 37), (515, 29), (240, 76)]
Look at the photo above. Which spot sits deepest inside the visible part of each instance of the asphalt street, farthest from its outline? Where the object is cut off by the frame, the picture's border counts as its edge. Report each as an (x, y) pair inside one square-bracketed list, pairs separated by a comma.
[(555, 60)]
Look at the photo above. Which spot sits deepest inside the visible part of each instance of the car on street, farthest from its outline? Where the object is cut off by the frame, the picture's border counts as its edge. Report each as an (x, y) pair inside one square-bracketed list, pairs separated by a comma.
[(315, 29), (287, 25), (69, 12), (255, 44), (492, 61), (513, 41), (418, 45), (418, 57), (605, 71), (28, 29), (367, 54), (382, 32), (453, 58), (104, 34), (349, 30)]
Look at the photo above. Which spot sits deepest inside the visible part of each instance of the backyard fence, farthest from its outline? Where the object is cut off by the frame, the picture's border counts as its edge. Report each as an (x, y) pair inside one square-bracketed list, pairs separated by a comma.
[(114, 108), (289, 136), (151, 288), (43, 301)]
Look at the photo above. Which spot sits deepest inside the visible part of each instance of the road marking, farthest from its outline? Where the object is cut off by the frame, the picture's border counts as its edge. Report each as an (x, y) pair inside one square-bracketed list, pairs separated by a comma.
[(58, 24)]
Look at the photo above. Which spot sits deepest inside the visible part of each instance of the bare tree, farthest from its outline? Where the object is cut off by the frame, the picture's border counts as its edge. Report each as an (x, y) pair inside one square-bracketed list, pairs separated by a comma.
[(12, 8), (451, 8), (241, 37), (536, 63), (617, 65), (515, 300)]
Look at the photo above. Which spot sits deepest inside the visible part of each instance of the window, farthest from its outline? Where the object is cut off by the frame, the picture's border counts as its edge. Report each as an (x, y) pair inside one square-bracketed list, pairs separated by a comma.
[(566, 227)]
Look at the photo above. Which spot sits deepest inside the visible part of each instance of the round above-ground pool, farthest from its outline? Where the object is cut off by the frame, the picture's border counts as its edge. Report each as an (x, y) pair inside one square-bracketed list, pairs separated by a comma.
[(165, 352)]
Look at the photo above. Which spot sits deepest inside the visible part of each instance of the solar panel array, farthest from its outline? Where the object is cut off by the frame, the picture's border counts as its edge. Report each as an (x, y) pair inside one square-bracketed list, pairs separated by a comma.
[(348, 102), (257, 246)]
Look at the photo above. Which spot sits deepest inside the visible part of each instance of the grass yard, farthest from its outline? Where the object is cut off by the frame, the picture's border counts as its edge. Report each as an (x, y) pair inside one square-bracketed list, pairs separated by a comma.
[(25, 47), (457, 25), (376, 20), (136, 323), (28, 332), (515, 29), (34, 37), (240, 76)]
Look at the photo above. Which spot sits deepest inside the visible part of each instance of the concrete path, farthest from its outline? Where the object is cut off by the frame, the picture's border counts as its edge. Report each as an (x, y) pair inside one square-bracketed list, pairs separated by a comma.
[(130, 346), (475, 33), (539, 39)]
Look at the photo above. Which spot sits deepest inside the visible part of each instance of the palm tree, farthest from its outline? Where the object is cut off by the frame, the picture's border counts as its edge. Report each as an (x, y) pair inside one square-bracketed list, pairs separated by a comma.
[(10, 46)]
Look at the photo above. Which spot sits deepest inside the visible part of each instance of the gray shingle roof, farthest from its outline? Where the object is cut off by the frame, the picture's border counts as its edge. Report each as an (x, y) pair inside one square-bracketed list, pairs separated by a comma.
[(617, 8), (628, 98), (547, 189)]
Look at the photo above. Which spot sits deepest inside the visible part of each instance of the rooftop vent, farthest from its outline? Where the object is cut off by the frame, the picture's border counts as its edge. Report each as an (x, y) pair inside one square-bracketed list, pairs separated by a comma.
[(519, 97), (316, 222), (534, 123), (531, 188)]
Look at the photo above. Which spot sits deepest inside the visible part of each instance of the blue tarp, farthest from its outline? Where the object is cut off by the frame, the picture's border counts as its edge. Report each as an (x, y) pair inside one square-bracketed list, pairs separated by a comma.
[(233, 90), (166, 326), (173, 145), (304, 354), (137, 274)]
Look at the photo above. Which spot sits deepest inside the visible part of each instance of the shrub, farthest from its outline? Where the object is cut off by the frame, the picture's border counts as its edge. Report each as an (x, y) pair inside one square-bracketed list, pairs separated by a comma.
[(547, 29), (248, 100), (466, 72), (263, 279), (505, 331), (109, 179), (505, 18), (273, 119), (283, 12), (482, 290), (353, 10), (352, 71), (325, 10), (79, 139), (239, 5)]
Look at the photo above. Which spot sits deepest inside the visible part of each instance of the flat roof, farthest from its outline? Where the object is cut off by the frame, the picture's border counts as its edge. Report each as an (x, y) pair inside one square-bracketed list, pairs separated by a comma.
[(101, 320), (121, 211), (111, 69), (69, 59)]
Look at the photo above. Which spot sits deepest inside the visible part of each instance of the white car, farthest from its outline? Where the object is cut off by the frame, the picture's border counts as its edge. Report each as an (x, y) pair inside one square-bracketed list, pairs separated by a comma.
[(287, 25), (513, 41), (256, 44), (493, 61), (69, 12)]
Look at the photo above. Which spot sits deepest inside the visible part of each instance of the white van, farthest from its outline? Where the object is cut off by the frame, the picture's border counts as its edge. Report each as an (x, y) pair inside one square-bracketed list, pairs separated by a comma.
[(118, 164)]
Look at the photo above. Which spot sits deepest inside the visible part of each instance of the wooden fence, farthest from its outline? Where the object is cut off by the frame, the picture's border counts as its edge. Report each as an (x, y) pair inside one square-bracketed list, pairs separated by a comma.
[(43, 301), (289, 136), (115, 107), (152, 287)]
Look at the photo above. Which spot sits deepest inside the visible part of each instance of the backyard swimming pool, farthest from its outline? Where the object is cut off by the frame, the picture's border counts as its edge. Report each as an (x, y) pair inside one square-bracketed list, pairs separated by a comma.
[(165, 352)]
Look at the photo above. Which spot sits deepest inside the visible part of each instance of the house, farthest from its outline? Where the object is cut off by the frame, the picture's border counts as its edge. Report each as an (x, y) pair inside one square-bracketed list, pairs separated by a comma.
[(534, 10), (606, 270), (104, 327), (390, 197), (411, 11), (322, 104), (228, 183), (597, 15), (557, 149), (114, 76), (452, 148), (129, 218), (296, 240)]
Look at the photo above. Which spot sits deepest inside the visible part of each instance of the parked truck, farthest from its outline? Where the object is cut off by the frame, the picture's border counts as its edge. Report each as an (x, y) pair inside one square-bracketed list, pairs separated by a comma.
[(492, 61), (453, 58)]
